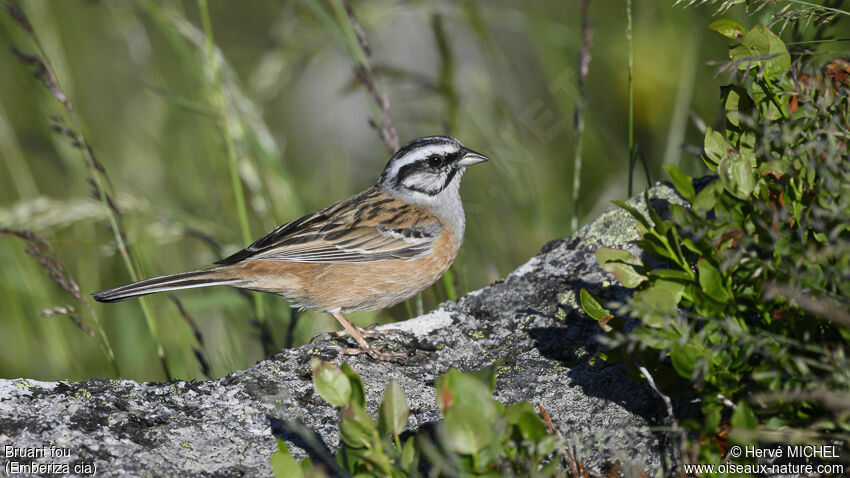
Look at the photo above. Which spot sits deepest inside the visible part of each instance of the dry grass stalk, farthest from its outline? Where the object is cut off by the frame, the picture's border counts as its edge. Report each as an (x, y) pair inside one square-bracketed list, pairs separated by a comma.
[(44, 253), (198, 351), (98, 179), (548, 420), (46, 257), (43, 72), (364, 74), (71, 313)]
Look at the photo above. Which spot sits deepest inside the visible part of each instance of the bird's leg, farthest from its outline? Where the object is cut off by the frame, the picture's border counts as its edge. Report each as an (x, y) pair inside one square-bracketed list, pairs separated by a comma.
[(356, 334)]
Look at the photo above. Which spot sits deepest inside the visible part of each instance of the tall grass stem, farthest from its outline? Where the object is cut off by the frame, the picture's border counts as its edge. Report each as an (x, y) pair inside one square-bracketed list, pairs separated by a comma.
[(631, 63), (583, 69), (220, 105), (684, 94)]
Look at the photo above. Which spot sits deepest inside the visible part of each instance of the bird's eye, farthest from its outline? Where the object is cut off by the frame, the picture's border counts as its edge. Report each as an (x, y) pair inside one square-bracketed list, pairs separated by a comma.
[(435, 161)]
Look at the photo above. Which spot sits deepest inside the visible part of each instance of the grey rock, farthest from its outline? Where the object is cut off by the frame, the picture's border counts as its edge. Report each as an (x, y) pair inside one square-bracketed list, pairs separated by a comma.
[(531, 320)]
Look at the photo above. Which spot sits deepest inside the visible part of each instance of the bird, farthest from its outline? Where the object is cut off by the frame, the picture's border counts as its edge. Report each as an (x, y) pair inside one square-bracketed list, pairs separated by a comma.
[(367, 252)]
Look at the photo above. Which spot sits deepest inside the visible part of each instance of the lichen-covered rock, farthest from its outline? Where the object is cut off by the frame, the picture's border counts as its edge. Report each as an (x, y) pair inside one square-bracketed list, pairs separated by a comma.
[(531, 320)]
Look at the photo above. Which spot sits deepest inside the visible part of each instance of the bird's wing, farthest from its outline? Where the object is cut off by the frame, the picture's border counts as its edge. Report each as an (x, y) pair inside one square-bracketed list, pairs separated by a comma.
[(367, 227)]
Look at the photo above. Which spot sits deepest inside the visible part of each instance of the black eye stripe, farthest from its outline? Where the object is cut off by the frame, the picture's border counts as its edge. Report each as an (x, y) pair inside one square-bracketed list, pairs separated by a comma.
[(420, 165)]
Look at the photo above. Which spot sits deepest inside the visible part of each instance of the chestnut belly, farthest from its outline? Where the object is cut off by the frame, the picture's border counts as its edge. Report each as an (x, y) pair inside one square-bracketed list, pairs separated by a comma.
[(347, 287)]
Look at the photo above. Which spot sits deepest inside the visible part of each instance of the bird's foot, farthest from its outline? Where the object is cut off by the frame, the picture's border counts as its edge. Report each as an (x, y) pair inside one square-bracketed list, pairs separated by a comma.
[(359, 335), (374, 352), (370, 332)]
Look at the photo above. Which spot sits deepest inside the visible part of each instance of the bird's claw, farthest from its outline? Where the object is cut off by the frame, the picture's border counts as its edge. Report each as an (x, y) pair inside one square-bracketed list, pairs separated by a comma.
[(369, 332), (374, 352)]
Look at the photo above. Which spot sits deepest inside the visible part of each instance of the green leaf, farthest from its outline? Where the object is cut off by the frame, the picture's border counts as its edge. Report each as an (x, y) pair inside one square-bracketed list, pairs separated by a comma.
[(408, 454), (445, 396), (691, 245), (778, 65), (711, 281), (283, 464), (393, 412), (729, 28), (308, 470), (672, 274), (488, 374), (674, 287), (707, 198), (708, 162), (639, 217), (358, 394), (736, 101), (591, 305), (749, 158), (655, 305), (715, 145), (685, 359), (737, 175), (712, 416), (454, 388), (658, 339), (531, 427), (377, 462), (652, 245), (465, 430), (762, 42), (357, 429), (487, 458), (768, 102), (330, 382), (622, 265), (661, 226), (515, 411), (682, 182), (775, 423), (743, 417), (681, 214)]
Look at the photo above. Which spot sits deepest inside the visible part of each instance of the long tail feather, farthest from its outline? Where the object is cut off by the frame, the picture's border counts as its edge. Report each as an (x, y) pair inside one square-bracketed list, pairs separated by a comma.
[(186, 280)]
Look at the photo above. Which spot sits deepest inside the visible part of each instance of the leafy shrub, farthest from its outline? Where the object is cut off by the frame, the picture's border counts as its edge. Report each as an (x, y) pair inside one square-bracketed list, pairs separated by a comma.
[(742, 297), (478, 436)]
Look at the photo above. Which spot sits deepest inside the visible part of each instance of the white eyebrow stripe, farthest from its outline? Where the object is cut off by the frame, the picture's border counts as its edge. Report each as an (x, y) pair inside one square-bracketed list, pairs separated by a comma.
[(420, 154)]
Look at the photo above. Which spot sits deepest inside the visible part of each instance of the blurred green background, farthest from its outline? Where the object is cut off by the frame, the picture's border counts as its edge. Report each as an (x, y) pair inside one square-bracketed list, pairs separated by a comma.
[(499, 75)]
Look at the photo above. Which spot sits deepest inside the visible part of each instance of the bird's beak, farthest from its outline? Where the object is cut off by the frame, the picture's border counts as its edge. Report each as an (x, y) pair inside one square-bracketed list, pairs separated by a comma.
[(470, 157)]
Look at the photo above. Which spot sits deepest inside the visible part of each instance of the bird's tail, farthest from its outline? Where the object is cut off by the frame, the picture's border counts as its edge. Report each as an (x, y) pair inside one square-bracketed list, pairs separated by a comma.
[(186, 280)]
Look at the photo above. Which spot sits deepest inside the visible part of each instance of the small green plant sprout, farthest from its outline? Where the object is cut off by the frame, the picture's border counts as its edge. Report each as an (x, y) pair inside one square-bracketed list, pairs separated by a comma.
[(284, 465), (486, 436), (367, 448), (478, 436)]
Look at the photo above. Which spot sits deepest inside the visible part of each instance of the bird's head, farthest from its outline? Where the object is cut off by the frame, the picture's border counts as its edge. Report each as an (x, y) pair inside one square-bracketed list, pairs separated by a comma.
[(426, 170)]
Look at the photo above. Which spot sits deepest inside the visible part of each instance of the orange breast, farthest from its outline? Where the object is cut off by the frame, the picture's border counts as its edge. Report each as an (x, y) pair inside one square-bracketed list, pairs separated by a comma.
[(349, 287)]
